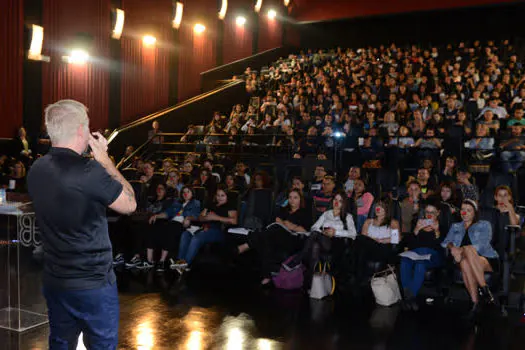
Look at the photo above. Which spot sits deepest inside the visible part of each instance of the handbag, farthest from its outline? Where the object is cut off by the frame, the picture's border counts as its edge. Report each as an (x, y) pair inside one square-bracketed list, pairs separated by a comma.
[(323, 283), (289, 278), (385, 287)]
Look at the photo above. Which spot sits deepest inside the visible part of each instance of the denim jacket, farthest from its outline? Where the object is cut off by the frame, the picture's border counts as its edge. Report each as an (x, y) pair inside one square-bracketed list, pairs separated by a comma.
[(480, 235), (193, 208)]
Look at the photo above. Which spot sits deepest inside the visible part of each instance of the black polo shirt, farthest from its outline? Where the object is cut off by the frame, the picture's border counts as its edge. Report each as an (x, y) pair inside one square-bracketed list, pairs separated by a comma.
[(70, 195)]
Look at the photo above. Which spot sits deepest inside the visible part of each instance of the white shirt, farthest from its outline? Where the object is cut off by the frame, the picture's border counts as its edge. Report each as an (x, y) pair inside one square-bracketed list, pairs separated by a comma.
[(379, 232), (328, 220)]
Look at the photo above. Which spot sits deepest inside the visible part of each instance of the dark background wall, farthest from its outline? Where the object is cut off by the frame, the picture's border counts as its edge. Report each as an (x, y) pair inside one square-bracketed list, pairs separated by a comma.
[(314, 10), (443, 26)]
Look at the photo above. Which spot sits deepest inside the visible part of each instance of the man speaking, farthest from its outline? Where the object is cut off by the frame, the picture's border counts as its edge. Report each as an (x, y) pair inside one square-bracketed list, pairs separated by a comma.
[(70, 195)]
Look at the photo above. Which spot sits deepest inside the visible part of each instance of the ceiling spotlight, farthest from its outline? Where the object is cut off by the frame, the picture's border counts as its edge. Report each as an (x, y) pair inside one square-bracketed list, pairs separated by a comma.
[(199, 28), (179, 9), (37, 40), (286, 2), (119, 24), (77, 56), (272, 14), (224, 9), (258, 6), (149, 40), (240, 20)]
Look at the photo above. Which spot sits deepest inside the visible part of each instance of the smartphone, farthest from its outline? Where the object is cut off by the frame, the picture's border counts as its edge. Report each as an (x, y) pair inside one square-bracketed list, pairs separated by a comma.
[(427, 222)]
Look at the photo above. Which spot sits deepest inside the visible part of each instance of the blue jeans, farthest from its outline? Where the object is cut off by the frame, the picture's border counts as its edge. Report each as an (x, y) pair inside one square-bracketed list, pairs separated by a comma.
[(94, 312), (512, 160), (360, 222), (413, 272), (191, 244)]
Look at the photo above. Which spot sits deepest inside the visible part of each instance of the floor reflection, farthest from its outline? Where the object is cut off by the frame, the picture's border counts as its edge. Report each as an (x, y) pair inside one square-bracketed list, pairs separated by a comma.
[(210, 312)]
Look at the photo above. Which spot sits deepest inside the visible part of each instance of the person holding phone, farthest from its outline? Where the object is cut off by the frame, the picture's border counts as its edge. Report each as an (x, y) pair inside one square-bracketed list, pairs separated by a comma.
[(424, 240), (70, 196)]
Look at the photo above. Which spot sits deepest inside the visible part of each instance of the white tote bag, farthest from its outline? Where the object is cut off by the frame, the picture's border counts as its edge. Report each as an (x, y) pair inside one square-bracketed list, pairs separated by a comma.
[(323, 284), (385, 287)]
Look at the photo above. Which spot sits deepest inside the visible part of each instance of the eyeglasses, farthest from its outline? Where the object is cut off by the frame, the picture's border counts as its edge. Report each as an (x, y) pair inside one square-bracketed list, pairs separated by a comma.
[(433, 212)]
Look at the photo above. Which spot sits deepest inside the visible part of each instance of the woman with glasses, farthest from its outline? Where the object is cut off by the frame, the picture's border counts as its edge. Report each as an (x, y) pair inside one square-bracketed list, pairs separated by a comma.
[(423, 241)]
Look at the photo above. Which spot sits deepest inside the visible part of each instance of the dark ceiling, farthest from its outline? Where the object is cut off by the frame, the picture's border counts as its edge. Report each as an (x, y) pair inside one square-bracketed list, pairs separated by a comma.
[(319, 10)]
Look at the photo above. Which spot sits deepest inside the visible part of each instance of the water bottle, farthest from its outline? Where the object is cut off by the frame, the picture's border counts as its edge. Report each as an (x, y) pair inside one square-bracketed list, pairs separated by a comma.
[(3, 198)]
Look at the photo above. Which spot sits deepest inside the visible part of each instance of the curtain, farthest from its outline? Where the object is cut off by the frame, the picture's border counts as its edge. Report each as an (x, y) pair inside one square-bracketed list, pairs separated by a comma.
[(197, 50), (11, 65), (145, 70), (87, 83), (237, 40), (270, 33)]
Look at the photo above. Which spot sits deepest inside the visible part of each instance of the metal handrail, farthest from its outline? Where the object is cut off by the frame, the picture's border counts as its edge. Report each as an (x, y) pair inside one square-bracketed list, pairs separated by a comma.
[(165, 111)]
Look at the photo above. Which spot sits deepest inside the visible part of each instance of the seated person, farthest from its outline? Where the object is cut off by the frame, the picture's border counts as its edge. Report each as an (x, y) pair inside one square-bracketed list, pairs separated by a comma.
[(424, 239), (137, 224), (323, 198), (231, 183), (426, 183), (466, 189), (277, 242), (165, 232), (517, 118), (372, 148), (447, 195), (469, 243), (482, 143), (173, 183), (353, 174), (513, 153), (334, 223), (502, 215), (216, 217), (410, 206), (319, 174), (429, 145), (377, 237), (297, 184), (363, 201), (488, 120), (206, 180), (449, 172), (149, 179), (17, 181)]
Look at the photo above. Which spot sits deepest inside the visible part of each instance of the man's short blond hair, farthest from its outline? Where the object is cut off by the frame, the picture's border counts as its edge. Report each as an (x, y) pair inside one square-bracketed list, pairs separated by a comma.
[(63, 119)]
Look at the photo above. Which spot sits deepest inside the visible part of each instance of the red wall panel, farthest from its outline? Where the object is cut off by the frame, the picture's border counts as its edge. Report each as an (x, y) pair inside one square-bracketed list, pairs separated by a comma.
[(197, 51), (237, 43), (11, 63), (317, 10), (145, 70), (87, 83), (270, 32)]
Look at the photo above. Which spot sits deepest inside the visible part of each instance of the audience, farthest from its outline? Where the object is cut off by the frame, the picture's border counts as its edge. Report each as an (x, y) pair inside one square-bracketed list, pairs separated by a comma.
[(355, 112), (216, 218)]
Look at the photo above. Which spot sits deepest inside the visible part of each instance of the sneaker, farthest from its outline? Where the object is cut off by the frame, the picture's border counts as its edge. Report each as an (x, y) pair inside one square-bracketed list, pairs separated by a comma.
[(144, 265), (178, 265), (159, 267), (118, 260), (134, 262)]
